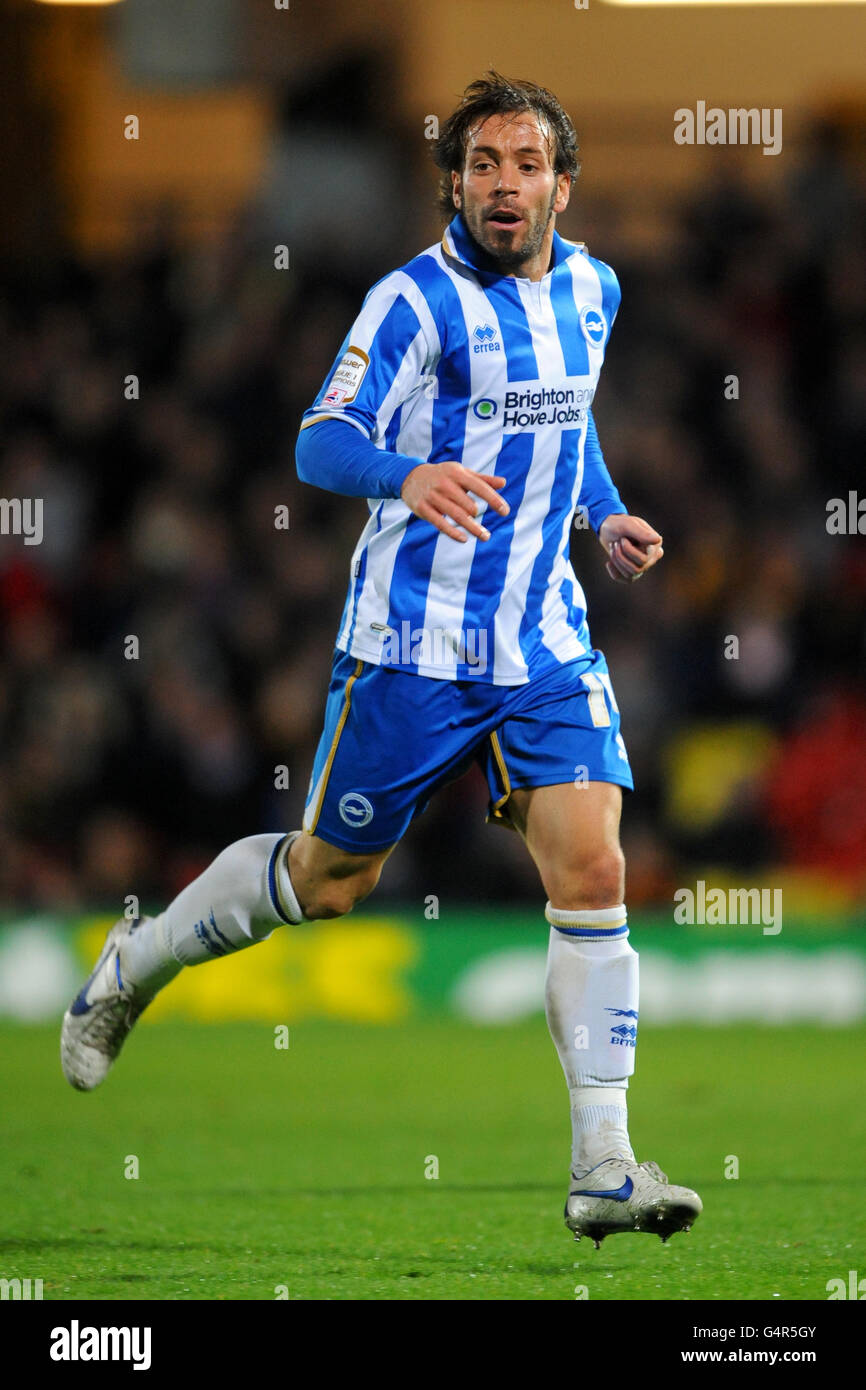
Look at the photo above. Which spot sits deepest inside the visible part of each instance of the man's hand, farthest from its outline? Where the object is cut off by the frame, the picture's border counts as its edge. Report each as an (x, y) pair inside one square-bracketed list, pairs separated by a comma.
[(632, 544), (441, 494)]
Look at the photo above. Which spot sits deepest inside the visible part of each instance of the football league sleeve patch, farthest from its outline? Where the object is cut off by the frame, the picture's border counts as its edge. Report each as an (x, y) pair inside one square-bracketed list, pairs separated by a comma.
[(380, 365)]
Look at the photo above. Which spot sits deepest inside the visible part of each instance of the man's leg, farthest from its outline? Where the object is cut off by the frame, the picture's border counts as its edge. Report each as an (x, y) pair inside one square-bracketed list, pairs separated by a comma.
[(389, 740), (252, 887), (329, 881), (261, 883), (572, 832)]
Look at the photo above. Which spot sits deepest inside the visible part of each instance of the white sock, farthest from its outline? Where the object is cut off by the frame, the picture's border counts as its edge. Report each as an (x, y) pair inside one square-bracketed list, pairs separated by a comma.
[(239, 899), (591, 1001), (146, 959), (599, 1126)]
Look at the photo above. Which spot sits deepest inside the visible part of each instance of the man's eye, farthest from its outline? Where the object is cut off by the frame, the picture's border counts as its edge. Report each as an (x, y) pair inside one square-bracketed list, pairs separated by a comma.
[(480, 166)]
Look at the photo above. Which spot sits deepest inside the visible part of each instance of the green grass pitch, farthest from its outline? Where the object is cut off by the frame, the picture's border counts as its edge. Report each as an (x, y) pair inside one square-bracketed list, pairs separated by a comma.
[(301, 1172)]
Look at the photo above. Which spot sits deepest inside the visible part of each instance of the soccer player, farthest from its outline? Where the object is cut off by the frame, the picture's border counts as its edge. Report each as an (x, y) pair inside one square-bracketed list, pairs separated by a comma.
[(460, 406)]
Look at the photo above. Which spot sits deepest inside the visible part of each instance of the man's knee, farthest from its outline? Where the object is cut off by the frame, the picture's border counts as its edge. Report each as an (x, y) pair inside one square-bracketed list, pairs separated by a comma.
[(333, 897), (329, 883), (598, 881)]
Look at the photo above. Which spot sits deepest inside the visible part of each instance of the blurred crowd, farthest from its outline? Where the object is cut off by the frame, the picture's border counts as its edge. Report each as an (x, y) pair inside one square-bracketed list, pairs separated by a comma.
[(153, 401)]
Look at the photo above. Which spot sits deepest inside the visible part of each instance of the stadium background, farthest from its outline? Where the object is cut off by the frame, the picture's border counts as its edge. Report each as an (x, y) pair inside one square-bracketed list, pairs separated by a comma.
[(154, 258)]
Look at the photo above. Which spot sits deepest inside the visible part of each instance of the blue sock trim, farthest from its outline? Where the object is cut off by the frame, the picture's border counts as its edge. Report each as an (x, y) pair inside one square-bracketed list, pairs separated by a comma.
[(272, 883), (594, 933)]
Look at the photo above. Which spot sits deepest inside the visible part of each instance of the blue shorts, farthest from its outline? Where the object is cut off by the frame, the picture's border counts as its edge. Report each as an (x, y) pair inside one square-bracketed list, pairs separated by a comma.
[(392, 738)]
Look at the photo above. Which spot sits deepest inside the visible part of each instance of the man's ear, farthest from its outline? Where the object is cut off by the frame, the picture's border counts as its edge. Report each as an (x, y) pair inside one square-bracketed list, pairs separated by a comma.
[(563, 192), (456, 189)]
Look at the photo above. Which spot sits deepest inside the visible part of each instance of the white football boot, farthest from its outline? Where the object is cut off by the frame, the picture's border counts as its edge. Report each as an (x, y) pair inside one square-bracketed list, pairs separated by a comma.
[(98, 1021), (623, 1195)]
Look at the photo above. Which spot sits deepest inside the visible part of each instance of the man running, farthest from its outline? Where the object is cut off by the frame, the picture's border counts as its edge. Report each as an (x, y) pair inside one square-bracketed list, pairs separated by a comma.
[(460, 406)]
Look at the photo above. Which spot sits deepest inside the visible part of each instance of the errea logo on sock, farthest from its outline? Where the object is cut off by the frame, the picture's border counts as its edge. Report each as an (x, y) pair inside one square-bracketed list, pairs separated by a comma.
[(623, 1034), (76, 1343)]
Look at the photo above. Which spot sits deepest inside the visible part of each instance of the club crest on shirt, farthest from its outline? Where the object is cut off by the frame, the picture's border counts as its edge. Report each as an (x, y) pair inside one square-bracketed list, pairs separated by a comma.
[(593, 325), (347, 378)]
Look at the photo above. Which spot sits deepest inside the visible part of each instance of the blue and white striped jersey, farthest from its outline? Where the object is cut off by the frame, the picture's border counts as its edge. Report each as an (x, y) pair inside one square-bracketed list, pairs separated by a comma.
[(451, 360)]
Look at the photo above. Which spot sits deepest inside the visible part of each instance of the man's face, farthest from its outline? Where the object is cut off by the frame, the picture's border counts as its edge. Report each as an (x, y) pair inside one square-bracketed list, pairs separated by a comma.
[(508, 191)]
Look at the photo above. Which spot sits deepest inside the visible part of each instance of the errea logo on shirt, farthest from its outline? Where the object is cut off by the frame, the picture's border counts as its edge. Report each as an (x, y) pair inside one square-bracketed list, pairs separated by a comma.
[(485, 338)]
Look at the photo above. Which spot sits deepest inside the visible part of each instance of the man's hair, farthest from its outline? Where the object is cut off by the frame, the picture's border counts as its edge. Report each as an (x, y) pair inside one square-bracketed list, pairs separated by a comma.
[(495, 95)]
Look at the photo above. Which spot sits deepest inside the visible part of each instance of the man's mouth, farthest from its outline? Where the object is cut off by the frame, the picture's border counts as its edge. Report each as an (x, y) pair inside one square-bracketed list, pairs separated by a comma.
[(504, 217)]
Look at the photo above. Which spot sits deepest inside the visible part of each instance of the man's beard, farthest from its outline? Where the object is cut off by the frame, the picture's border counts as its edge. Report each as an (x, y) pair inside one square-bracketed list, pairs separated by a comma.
[(511, 260)]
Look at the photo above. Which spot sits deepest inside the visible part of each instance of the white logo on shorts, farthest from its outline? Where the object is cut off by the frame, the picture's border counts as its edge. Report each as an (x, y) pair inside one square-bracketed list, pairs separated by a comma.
[(355, 809)]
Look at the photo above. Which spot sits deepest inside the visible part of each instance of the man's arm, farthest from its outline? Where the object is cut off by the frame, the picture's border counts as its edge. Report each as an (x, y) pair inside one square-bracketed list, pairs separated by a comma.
[(335, 455), (632, 545), (597, 492)]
